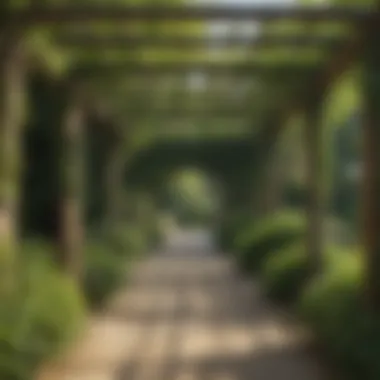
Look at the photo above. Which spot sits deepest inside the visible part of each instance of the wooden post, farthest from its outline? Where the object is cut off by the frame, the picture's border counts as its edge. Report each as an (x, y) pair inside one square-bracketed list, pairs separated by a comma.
[(114, 182), (314, 182), (12, 109), (371, 177), (265, 194), (271, 182), (72, 202)]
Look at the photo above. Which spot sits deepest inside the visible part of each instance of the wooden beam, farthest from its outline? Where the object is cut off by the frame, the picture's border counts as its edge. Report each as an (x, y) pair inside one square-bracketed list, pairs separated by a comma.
[(187, 67), (61, 14), (320, 83), (89, 41), (196, 111)]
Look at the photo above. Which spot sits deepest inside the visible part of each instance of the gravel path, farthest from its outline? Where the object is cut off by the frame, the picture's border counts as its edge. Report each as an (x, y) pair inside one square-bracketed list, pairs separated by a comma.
[(188, 316)]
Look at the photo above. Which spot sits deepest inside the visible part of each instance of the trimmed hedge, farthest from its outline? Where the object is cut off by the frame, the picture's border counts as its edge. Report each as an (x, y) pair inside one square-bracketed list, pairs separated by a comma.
[(332, 305), (229, 229), (39, 317), (107, 261), (285, 272), (125, 240), (257, 241), (45, 310), (105, 272)]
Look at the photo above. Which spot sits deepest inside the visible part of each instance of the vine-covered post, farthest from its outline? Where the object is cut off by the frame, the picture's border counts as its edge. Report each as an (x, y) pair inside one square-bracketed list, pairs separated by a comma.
[(371, 180), (12, 108), (72, 186), (272, 190), (313, 148), (265, 195), (114, 181)]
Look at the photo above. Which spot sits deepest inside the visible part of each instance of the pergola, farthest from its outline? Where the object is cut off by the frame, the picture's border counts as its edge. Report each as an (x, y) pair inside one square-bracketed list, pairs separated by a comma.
[(307, 83)]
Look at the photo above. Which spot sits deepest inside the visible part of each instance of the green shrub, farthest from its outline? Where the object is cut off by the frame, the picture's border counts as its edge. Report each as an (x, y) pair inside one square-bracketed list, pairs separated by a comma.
[(107, 258), (230, 229), (39, 317), (332, 305), (257, 241), (123, 239), (105, 271), (285, 272)]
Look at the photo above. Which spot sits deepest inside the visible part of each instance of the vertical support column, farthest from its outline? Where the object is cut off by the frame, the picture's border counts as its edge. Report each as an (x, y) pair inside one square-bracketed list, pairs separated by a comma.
[(12, 109), (114, 181), (72, 195), (261, 193), (371, 178), (265, 193), (271, 182), (314, 182)]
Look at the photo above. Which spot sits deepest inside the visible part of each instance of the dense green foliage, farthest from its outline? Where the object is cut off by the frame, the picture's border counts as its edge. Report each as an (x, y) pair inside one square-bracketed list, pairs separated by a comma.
[(259, 240), (46, 310), (193, 197), (104, 273), (229, 228), (285, 272), (330, 302), (333, 306), (108, 260), (42, 314), (37, 320), (346, 186)]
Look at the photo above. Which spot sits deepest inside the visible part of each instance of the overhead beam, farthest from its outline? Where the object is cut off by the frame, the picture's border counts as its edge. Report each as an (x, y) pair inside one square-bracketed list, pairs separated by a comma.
[(89, 41), (188, 67), (64, 14), (184, 109), (182, 113), (320, 83)]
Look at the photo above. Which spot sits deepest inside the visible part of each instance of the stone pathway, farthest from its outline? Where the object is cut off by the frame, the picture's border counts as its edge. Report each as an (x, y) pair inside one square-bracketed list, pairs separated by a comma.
[(189, 317)]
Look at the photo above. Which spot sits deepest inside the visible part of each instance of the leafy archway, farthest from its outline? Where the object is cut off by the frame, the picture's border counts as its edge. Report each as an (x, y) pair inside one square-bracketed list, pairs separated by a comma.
[(231, 162)]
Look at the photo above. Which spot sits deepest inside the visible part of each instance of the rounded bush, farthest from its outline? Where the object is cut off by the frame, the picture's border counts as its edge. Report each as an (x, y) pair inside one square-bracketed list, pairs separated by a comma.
[(285, 273), (123, 240), (332, 306), (256, 242), (42, 314), (104, 273), (229, 229)]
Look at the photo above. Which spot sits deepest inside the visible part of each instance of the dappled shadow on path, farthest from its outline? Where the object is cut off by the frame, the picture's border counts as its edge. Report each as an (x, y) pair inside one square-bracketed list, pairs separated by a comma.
[(189, 317), (198, 320)]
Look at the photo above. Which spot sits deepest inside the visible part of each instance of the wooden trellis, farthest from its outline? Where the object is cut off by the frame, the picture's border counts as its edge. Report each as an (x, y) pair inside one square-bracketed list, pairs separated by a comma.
[(316, 81)]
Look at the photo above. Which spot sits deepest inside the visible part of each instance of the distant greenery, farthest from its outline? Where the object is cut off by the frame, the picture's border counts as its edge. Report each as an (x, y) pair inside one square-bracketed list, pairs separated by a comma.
[(193, 198)]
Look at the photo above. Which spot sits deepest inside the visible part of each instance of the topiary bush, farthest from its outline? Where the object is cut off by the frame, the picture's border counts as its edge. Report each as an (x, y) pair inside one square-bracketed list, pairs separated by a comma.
[(257, 241), (285, 273), (332, 305), (41, 314)]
